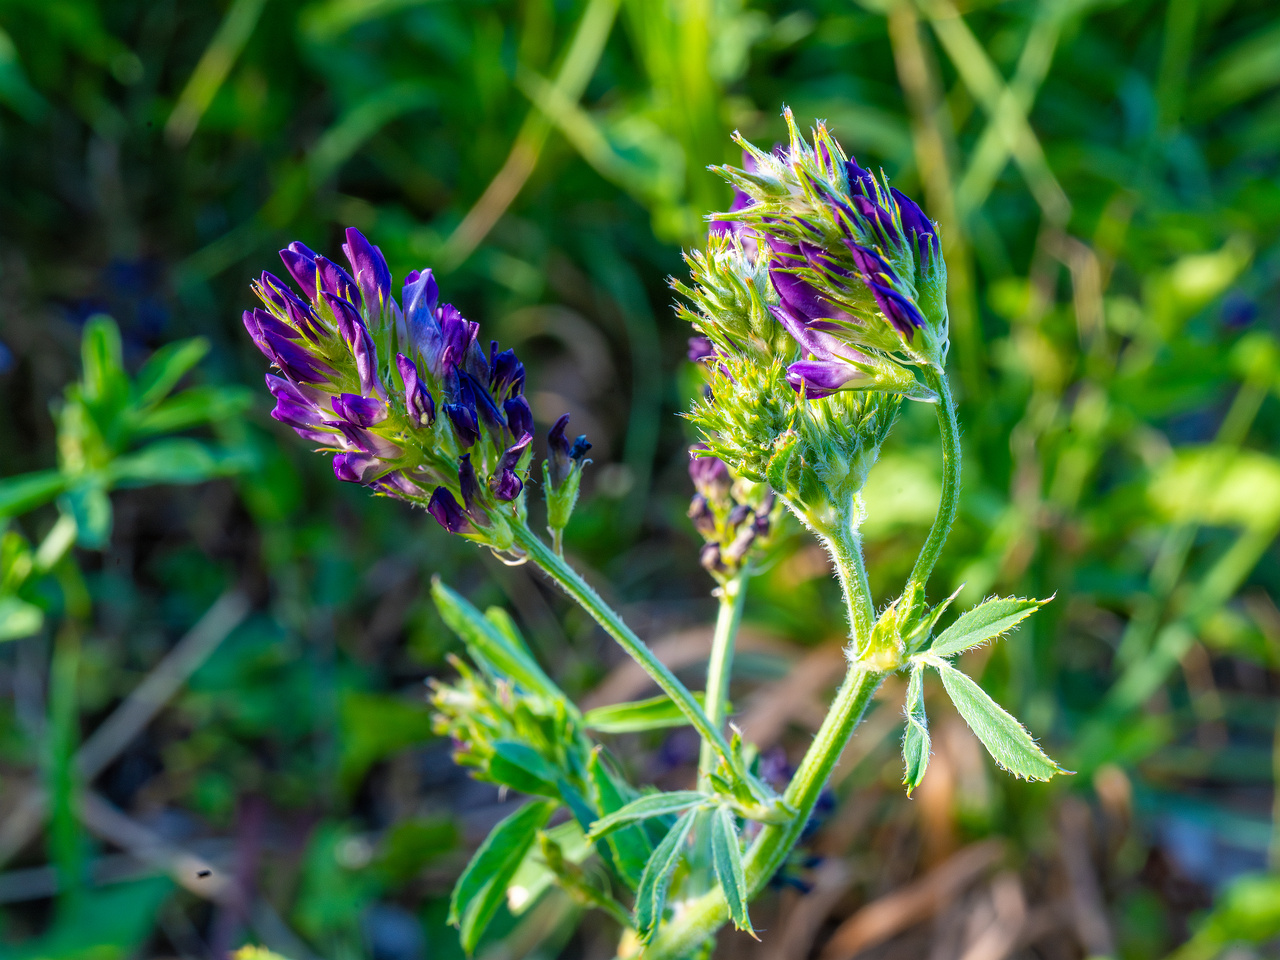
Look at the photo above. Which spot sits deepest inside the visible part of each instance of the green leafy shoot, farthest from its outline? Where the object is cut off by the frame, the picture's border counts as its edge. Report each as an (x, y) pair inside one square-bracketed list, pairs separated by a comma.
[(483, 885), (522, 768), (637, 716), (987, 621), (653, 805), (916, 744), (726, 856), (1008, 741), (651, 898)]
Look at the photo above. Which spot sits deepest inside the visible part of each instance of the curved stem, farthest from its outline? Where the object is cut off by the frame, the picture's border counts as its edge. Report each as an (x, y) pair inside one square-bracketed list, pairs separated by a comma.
[(845, 545), (701, 917), (587, 598), (733, 594), (949, 501)]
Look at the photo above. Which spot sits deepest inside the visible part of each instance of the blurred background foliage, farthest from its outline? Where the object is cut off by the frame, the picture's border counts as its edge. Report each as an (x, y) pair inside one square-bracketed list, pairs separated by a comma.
[(226, 675)]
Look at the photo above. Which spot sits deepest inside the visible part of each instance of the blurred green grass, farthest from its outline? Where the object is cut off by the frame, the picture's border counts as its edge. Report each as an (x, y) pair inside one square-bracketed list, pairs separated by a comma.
[(1107, 182)]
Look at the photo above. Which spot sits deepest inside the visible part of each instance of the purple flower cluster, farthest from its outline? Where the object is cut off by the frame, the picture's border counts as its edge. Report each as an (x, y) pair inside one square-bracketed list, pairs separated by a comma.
[(730, 527), (848, 257), (405, 398)]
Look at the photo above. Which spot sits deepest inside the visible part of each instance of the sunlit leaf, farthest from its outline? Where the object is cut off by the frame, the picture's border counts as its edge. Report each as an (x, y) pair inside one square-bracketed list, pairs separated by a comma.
[(656, 713), (1008, 741), (985, 622), (488, 645)]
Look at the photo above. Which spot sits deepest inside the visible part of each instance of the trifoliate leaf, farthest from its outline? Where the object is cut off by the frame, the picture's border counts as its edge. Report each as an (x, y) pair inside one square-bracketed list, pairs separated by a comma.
[(987, 621), (916, 745), (651, 897), (1008, 741), (726, 856)]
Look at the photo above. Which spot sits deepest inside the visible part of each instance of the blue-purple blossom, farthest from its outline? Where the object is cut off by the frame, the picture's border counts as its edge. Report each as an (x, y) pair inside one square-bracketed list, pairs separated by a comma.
[(856, 266), (363, 378)]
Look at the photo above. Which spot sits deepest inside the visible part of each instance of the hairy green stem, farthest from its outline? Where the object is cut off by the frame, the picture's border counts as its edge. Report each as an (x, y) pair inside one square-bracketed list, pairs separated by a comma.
[(845, 546), (732, 594), (587, 598), (949, 502), (700, 918)]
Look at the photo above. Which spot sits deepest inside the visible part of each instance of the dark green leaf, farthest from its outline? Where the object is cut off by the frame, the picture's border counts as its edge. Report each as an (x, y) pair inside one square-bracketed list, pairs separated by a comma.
[(656, 713), (483, 885), (726, 856), (522, 768), (651, 897), (162, 371), (488, 645), (985, 622), (1008, 741), (628, 847), (29, 490), (653, 805), (916, 745)]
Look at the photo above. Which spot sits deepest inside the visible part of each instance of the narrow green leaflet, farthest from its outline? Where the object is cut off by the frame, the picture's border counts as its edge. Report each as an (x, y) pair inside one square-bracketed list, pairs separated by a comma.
[(483, 885), (522, 768), (987, 621), (507, 627), (29, 490), (489, 645), (726, 856), (916, 745), (656, 713), (654, 805), (628, 847), (1008, 741), (651, 897)]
